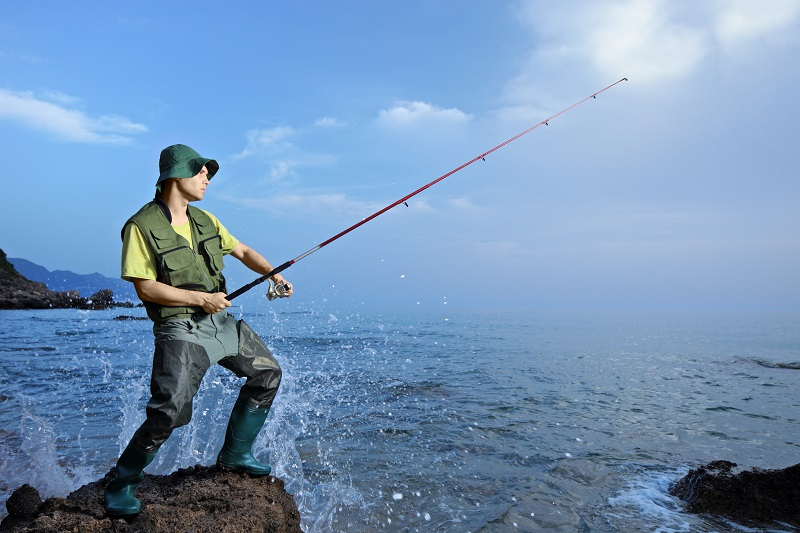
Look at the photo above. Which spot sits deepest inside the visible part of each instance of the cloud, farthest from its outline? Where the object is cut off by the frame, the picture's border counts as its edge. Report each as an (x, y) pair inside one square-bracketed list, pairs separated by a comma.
[(280, 170), (420, 204), (301, 205), (62, 99), (644, 39), (407, 114), (274, 147), (741, 21), (650, 41), (58, 118), (463, 204), (327, 122), (266, 141), (271, 141), (334, 204), (22, 57)]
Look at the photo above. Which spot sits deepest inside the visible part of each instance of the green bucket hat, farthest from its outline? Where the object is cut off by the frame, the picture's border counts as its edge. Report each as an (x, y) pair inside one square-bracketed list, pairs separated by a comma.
[(180, 161)]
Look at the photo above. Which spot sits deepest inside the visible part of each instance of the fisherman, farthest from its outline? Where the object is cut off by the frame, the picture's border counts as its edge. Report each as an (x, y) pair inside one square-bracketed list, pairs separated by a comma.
[(173, 253)]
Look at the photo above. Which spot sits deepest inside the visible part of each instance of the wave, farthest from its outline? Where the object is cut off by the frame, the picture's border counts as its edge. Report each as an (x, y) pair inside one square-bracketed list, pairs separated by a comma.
[(772, 364), (769, 364)]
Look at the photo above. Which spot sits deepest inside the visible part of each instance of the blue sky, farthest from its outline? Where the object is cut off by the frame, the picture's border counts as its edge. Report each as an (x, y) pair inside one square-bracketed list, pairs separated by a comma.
[(678, 189)]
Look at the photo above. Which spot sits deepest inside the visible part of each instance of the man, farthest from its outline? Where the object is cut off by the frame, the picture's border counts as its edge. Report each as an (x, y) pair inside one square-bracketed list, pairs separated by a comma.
[(173, 253)]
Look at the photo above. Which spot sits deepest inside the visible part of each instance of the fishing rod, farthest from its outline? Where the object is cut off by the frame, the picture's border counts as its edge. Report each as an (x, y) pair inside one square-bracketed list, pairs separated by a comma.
[(278, 291)]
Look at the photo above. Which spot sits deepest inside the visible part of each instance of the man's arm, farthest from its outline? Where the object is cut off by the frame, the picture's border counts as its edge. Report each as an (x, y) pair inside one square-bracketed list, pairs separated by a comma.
[(150, 290), (256, 262)]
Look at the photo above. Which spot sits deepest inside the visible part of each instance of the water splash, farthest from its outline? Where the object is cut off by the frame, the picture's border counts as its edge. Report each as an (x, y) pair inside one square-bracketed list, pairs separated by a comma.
[(30, 456), (647, 495)]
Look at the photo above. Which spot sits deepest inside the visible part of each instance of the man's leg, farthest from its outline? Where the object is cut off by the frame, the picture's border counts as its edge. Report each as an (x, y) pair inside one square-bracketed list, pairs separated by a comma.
[(178, 368), (263, 373)]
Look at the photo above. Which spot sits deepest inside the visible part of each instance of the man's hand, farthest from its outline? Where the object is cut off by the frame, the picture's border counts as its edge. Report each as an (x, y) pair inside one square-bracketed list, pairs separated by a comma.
[(214, 302), (150, 290), (280, 280), (256, 262)]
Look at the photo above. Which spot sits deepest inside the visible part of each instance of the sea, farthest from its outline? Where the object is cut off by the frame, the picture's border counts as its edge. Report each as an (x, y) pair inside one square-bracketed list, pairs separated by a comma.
[(439, 420)]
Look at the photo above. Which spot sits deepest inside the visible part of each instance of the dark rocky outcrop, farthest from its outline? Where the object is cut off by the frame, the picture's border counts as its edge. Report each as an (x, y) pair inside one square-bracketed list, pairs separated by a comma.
[(748, 497), (65, 280), (18, 292), (192, 499)]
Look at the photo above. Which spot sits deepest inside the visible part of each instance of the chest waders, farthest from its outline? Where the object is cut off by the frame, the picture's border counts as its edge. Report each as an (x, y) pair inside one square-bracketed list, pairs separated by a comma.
[(187, 342)]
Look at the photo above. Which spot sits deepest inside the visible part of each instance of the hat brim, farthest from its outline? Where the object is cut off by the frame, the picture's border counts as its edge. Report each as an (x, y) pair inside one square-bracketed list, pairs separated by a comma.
[(190, 169)]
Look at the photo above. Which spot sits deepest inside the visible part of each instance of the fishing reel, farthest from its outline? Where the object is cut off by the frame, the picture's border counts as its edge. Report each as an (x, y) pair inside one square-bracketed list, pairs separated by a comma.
[(278, 290)]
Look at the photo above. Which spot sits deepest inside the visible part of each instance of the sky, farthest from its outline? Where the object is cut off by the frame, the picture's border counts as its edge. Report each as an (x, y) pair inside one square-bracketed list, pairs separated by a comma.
[(677, 189)]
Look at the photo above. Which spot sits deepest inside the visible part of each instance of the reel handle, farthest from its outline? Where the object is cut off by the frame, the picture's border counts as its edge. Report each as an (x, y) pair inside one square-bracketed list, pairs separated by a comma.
[(278, 290)]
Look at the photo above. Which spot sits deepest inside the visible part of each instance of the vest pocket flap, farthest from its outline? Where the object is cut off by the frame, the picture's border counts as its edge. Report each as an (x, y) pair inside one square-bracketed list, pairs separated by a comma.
[(213, 249), (178, 259), (203, 224), (164, 237)]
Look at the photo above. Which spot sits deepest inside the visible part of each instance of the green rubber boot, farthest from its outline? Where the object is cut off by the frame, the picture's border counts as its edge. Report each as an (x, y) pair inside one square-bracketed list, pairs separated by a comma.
[(243, 428), (119, 499)]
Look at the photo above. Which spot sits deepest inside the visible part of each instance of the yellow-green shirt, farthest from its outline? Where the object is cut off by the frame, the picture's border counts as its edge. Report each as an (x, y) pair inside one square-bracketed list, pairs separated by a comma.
[(137, 259)]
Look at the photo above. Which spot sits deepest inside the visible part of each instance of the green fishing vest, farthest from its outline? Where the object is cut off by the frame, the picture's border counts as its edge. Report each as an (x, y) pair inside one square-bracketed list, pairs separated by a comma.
[(177, 263)]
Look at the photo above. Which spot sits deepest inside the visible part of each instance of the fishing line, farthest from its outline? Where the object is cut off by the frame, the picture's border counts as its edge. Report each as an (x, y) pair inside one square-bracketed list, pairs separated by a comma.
[(279, 290)]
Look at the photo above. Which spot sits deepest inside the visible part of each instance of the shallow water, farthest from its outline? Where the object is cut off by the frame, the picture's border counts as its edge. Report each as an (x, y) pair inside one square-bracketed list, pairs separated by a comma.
[(435, 421)]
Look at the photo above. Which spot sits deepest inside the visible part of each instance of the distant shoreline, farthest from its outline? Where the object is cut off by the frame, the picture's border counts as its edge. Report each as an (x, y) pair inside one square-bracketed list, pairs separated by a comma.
[(18, 292)]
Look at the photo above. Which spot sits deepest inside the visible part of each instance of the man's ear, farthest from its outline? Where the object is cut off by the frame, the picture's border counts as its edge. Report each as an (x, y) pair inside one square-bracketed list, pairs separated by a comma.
[(167, 184)]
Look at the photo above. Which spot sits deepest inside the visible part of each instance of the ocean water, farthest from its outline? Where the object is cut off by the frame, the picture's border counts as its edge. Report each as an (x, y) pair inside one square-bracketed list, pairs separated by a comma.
[(444, 420)]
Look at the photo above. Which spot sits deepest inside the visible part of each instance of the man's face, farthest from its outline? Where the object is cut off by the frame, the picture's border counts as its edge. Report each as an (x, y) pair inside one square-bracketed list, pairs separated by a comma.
[(194, 188)]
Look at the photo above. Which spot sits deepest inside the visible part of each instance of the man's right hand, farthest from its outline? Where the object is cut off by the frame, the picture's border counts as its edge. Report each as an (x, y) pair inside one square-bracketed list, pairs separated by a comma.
[(150, 290), (215, 302)]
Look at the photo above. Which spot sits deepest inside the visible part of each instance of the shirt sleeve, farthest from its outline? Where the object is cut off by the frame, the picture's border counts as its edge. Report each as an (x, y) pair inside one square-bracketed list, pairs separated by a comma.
[(137, 260)]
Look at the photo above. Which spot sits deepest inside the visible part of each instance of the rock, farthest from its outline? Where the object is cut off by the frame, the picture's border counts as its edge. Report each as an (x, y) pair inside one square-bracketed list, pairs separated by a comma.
[(24, 502), (18, 292), (752, 496), (192, 499), (103, 299)]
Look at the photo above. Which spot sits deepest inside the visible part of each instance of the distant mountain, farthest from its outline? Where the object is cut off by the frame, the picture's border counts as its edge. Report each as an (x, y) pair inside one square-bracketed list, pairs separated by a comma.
[(85, 284), (19, 292)]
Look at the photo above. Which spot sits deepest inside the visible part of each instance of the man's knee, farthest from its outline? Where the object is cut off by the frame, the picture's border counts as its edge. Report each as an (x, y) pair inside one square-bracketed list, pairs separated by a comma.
[(260, 388), (156, 429), (271, 378), (255, 363), (178, 368)]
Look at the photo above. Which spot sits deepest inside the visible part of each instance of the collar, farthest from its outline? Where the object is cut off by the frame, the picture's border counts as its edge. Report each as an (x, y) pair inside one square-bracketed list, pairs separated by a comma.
[(164, 209)]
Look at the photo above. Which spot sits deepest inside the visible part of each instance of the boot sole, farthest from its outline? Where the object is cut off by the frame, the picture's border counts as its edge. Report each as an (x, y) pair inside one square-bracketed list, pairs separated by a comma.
[(124, 515), (242, 469)]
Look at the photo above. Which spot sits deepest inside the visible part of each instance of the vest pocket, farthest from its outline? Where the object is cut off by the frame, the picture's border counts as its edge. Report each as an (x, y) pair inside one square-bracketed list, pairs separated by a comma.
[(180, 268), (164, 238), (213, 252)]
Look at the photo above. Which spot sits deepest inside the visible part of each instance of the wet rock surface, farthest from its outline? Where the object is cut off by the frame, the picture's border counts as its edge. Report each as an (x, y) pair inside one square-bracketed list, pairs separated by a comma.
[(192, 499), (752, 497)]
